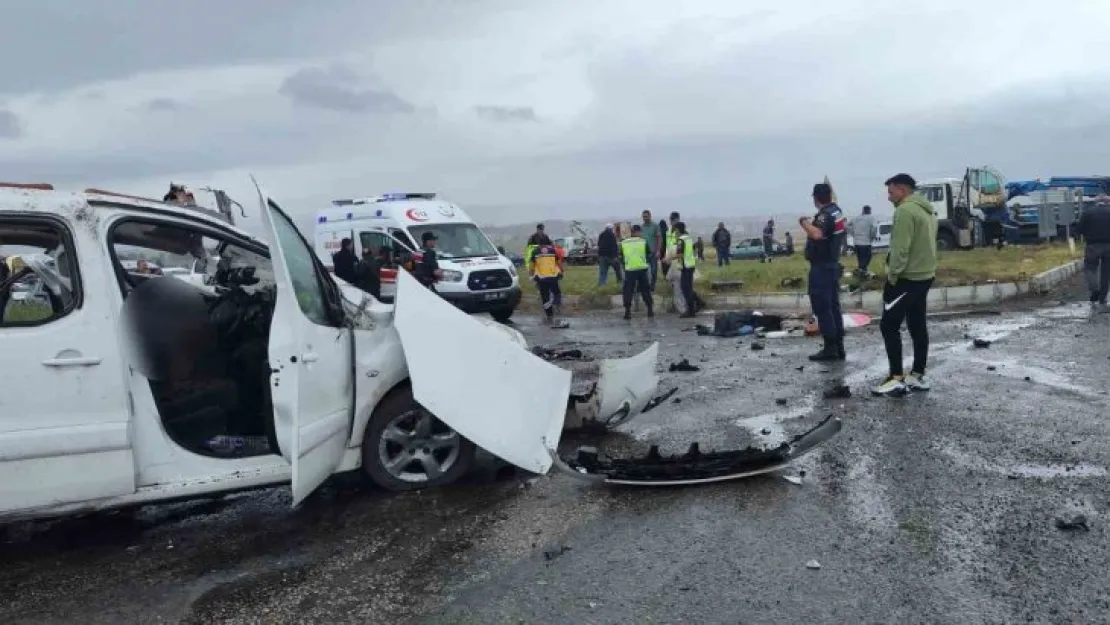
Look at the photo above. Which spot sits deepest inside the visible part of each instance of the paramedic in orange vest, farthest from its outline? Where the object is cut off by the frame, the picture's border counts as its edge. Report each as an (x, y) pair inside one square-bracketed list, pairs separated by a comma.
[(547, 268)]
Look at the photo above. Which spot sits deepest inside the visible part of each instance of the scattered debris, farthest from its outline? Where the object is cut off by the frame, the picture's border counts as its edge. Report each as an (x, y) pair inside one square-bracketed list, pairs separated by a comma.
[(792, 283), (757, 347), (677, 400), (765, 431), (695, 466), (793, 479), (781, 401), (732, 324), (726, 285), (655, 401), (840, 391), (558, 354), (813, 564), (1073, 522), (992, 368), (1028, 379), (981, 343), (684, 366), (551, 554), (800, 368)]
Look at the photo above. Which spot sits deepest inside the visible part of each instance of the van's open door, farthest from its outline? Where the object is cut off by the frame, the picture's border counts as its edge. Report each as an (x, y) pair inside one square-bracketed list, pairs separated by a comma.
[(311, 381)]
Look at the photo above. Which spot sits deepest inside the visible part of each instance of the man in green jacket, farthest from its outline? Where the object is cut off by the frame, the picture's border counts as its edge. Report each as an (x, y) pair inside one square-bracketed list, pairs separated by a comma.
[(911, 267)]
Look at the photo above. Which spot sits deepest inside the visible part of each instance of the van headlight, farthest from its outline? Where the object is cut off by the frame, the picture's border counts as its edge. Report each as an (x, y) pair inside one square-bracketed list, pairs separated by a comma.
[(450, 275), (512, 270)]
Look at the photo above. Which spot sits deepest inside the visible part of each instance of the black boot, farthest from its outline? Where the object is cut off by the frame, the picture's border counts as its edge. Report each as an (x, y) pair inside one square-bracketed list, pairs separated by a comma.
[(650, 312), (828, 352), (627, 314), (840, 353)]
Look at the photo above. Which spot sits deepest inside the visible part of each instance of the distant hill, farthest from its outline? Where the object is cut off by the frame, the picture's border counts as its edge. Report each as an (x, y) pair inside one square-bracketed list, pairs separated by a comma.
[(515, 237)]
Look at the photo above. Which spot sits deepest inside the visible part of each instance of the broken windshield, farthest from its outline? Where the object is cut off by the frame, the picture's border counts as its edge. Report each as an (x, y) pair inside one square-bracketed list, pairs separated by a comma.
[(457, 240)]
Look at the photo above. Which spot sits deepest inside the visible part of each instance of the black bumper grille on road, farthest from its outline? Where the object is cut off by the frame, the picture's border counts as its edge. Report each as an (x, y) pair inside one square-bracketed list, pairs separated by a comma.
[(489, 279)]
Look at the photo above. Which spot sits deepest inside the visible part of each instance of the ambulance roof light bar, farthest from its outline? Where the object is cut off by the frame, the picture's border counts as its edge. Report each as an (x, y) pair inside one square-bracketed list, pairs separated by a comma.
[(385, 197)]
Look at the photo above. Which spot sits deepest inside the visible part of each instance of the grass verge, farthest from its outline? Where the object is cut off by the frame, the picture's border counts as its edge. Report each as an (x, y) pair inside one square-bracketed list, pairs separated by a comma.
[(956, 268)]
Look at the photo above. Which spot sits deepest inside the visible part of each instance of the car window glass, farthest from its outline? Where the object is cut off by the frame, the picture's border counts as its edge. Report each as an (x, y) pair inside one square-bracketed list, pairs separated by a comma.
[(37, 278), (307, 285), (148, 249), (382, 246)]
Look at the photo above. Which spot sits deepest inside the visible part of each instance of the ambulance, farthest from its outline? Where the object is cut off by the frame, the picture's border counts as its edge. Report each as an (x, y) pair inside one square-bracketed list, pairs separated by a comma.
[(476, 277)]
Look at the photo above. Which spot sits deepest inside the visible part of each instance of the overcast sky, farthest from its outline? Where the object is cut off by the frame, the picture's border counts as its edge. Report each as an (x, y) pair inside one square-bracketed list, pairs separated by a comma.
[(559, 107)]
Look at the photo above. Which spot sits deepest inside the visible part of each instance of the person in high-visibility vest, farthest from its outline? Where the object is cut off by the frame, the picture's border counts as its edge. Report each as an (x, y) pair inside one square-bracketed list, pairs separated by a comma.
[(538, 238), (684, 251), (634, 256), (546, 270)]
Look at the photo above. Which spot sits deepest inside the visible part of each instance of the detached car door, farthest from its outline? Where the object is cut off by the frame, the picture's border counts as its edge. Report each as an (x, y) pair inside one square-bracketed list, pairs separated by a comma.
[(311, 380)]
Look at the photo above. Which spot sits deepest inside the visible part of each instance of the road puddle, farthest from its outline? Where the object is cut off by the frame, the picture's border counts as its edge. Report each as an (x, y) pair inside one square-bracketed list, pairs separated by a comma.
[(1019, 470)]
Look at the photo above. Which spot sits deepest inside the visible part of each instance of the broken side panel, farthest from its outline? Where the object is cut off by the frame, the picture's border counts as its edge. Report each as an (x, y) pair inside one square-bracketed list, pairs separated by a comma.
[(625, 387), (479, 380)]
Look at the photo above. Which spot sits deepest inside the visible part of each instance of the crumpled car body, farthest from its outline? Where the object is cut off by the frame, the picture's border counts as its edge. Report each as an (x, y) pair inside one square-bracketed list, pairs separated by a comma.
[(331, 375)]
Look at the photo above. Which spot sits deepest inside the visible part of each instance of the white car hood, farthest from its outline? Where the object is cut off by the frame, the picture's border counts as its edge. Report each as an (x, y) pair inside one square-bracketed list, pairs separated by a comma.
[(477, 378)]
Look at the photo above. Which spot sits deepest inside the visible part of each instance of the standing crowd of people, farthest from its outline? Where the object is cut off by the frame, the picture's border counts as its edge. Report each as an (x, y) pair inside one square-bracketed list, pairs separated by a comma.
[(666, 247)]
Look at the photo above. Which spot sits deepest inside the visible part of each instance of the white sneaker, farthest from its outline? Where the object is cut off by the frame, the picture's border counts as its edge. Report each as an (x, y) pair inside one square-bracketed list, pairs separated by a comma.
[(891, 387), (916, 382)]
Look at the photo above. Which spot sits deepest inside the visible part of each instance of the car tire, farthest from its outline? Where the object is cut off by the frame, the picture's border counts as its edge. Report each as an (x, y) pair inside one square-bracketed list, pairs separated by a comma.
[(945, 241), (437, 445), (502, 315)]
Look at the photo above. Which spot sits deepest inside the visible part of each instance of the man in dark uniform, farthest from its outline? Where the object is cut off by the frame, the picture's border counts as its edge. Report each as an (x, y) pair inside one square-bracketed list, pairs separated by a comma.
[(825, 236), (344, 261), (427, 271), (368, 274)]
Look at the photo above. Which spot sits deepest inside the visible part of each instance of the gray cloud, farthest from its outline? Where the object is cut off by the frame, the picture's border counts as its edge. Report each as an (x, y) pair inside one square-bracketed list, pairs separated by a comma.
[(337, 88), (10, 125), (494, 113), (164, 104), (116, 40)]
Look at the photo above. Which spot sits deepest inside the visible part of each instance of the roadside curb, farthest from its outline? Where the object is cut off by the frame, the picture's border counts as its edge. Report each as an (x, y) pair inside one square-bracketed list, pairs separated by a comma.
[(945, 298)]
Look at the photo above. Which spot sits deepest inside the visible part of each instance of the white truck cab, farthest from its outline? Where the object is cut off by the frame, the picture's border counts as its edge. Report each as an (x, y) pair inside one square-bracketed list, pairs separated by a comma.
[(477, 278), (122, 388)]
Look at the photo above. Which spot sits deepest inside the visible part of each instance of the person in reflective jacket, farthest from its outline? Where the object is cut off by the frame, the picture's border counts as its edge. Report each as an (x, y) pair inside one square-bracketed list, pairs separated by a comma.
[(634, 253), (546, 264)]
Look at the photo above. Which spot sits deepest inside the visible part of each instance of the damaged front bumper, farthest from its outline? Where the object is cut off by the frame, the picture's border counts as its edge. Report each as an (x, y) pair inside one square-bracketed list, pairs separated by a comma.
[(695, 466), (625, 388)]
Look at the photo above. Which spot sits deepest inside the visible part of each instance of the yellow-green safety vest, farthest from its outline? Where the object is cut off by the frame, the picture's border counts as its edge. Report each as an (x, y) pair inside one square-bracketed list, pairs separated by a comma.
[(634, 250), (672, 239), (689, 258), (528, 249)]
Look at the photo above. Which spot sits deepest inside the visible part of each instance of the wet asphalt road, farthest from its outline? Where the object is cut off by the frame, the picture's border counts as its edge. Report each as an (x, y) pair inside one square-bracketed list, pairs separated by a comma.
[(934, 508)]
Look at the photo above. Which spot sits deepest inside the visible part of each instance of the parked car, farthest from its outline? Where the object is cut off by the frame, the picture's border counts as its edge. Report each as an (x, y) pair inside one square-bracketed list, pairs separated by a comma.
[(753, 248), (136, 388), (882, 243)]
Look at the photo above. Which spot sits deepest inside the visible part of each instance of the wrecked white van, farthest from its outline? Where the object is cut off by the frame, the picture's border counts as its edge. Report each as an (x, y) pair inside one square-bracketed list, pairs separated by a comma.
[(121, 388)]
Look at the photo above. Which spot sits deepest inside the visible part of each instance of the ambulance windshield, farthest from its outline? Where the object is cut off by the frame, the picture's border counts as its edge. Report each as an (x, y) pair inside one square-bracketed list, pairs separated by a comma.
[(457, 240)]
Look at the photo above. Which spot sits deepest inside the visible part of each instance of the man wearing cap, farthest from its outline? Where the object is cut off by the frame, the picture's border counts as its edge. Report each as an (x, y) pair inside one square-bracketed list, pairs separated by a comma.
[(539, 237), (634, 256), (547, 268), (825, 235), (911, 267), (427, 271)]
